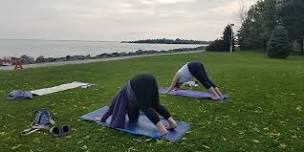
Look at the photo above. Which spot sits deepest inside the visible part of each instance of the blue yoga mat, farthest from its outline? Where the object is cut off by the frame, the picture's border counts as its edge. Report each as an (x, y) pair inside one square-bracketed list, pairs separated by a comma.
[(143, 127), (189, 93)]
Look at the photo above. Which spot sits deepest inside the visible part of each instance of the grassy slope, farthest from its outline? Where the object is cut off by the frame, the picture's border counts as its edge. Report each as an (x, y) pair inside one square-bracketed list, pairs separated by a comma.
[(264, 113)]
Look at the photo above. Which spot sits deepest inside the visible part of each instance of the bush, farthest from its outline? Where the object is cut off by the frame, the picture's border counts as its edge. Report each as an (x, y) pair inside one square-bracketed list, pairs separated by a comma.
[(216, 45), (278, 45)]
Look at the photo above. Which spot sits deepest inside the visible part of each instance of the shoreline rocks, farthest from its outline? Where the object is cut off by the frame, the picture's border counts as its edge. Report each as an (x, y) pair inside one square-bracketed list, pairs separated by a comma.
[(41, 59)]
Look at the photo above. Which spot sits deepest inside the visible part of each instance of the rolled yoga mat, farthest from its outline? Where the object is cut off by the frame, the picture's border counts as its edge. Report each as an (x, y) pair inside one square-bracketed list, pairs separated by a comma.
[(59, 88)]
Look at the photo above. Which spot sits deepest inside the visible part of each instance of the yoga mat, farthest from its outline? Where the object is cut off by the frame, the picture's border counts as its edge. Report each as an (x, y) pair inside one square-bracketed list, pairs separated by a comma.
[(189, 93), (62, 87), (143, 127)]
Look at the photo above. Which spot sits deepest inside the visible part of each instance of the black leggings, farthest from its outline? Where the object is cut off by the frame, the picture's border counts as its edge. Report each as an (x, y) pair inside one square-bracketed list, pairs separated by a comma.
[(198, 71), (147, 99)]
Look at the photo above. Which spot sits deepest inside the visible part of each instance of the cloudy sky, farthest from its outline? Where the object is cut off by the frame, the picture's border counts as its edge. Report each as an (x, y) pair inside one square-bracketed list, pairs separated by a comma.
[(116, 19)]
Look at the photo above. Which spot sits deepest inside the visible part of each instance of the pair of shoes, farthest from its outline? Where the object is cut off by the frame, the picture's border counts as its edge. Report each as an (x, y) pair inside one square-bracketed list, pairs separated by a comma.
[(60, 132)]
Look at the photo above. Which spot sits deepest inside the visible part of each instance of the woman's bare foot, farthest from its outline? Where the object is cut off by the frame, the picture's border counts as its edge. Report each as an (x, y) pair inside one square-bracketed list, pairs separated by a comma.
[(161, 129), (172, 124), (162, 133)]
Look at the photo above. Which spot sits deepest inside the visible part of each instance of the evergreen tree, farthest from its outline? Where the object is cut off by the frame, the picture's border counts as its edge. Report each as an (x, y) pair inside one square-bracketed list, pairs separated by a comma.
[(293, 19), (228, 39), (278, 44), (224, 43)]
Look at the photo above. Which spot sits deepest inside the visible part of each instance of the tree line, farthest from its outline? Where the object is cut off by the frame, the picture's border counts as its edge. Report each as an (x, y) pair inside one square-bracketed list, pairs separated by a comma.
[(265, 16), (168, 41), (272, 25)]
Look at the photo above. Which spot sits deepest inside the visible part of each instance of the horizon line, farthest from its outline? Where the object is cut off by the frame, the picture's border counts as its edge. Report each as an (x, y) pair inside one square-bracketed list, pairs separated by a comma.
[(37, 39)]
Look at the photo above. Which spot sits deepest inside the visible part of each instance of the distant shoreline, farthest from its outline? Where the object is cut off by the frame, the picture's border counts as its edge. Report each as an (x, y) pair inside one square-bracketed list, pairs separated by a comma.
[(39, 65), (41, 59), (169, 41), (61, 40)]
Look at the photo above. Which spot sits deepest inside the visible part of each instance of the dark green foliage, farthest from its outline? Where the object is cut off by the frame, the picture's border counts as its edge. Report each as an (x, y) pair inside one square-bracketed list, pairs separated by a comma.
[(257, 28), (224, 43), (293, 19), (278, 44), (216, 45), (265, 15)]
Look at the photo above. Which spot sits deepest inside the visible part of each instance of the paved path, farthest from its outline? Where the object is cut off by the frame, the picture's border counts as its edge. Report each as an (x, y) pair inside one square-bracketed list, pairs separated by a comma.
[(38, 65)]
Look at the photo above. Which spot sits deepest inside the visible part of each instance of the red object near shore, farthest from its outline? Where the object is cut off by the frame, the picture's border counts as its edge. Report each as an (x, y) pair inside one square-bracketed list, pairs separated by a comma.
[(18, 64), (6, 62), (10, 61)]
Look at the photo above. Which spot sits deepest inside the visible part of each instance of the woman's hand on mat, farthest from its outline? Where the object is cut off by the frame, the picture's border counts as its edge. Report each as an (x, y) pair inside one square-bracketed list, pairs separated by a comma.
[(168, 92), (171, 90), (215, 97)]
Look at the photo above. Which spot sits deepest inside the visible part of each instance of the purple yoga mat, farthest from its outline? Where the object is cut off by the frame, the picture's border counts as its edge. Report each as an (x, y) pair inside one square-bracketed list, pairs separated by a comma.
[(189, 93), (143, 127)]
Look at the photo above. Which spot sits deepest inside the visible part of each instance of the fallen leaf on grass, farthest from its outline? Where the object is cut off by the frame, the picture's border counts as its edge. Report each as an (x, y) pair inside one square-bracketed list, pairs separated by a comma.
[(9, 115), (256, 129), (86, 137), (294, 137), (15, 147), (299, 108), (131, 149), (84, 147), (137, 140), (274, 134), (148, 140), (160, 141), (266, 128), (283, 146), (256, 141), (241, 132), (68, 137), (37, 140), (80, 141), (188, 132), (206, 147), (85, 108)]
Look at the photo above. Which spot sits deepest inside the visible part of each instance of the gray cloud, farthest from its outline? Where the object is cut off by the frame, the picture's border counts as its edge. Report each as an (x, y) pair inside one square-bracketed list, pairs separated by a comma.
[(116, 19)]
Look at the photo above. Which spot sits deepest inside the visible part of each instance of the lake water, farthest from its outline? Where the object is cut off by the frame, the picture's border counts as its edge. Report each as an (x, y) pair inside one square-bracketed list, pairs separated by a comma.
[(62, 48)]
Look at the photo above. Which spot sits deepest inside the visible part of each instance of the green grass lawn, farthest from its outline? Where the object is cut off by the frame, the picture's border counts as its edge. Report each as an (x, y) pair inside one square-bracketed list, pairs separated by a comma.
[(264, 113)]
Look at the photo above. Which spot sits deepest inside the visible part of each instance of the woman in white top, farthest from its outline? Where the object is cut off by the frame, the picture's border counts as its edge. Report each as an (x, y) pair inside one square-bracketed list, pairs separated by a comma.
[(196, 70)]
